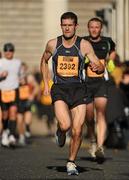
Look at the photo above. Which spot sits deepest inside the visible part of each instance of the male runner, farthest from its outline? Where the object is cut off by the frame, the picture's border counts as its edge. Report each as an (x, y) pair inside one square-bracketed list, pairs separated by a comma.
[(104, 48), (68, 53)]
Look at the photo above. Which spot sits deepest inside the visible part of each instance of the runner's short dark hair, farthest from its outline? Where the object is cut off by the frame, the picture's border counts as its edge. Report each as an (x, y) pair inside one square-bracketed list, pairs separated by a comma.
[(95, 19), (70, 15), (9, 47)]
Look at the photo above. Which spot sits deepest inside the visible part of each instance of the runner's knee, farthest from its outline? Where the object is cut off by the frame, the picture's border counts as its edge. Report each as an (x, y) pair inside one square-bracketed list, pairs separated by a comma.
[(65, 126), (77, 132)]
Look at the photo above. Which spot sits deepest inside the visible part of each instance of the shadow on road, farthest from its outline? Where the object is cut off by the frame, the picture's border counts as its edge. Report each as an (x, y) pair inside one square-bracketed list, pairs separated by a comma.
[(94, 160), (63, 168), (80, 169)]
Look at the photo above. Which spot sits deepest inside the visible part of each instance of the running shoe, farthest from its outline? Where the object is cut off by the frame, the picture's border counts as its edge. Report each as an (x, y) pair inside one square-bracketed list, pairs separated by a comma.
[(100, 158), (5, 139), (72, 169), (12, 141), (27, 134), (21, 140), (60, 137), (92, 149)]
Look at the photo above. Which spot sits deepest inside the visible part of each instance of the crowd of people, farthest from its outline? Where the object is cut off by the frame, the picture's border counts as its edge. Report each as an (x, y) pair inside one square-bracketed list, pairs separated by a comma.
[(86, 70), (18, 89)]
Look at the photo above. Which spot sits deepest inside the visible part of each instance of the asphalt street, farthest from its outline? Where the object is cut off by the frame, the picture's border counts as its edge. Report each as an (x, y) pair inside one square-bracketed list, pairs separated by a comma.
[(41, 159)]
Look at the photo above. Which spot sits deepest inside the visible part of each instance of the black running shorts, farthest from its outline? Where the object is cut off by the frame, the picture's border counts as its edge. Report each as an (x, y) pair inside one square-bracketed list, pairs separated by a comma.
[(96, 87), (72, 94)]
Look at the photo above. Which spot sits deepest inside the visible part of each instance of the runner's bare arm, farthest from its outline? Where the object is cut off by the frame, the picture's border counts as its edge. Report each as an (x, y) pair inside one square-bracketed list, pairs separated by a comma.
[(112, 55), (88, 51), (3, 75), (44, 64)]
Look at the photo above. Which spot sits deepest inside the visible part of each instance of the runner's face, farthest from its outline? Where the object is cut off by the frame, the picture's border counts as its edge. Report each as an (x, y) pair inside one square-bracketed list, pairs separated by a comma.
[(8, 54), (94, 29), (68, 28)]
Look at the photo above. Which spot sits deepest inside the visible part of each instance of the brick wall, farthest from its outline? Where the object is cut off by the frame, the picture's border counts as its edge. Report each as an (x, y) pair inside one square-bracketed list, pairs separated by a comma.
[(21, 24)]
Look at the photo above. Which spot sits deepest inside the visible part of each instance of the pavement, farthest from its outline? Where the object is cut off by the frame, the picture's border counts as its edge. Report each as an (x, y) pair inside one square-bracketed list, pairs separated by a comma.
[(41, 159)]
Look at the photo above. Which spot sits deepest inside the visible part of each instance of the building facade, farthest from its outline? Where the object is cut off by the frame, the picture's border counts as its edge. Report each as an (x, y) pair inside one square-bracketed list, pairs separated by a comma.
[(29, 24)]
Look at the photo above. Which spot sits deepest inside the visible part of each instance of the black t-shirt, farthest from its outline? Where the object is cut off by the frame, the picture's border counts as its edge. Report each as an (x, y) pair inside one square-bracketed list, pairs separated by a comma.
[(103, 47)]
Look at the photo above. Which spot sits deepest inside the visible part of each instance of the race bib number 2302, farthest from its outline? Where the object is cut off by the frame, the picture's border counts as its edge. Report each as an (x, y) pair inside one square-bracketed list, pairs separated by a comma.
[(67, 66)]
